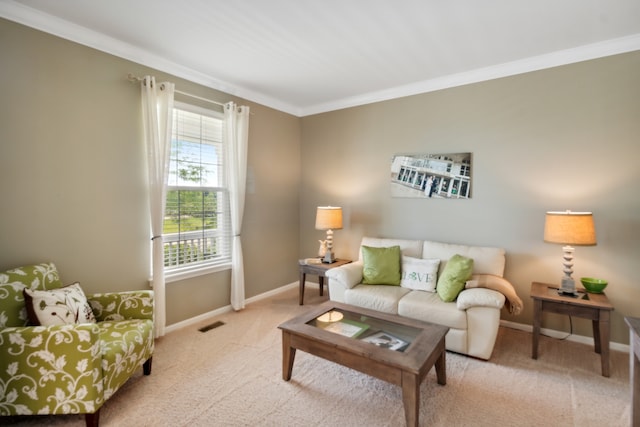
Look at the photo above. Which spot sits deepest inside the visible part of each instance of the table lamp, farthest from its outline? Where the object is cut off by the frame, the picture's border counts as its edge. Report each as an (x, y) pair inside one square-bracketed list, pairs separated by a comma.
[(329, 218), (569, 228)]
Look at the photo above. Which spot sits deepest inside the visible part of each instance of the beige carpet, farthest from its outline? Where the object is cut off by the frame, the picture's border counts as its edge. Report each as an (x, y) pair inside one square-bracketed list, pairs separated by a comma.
[(232, 376)]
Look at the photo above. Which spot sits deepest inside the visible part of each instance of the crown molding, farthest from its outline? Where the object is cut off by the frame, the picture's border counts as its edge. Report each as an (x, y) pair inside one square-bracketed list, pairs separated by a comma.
[(536, 63), (47, 23), (30, 17)]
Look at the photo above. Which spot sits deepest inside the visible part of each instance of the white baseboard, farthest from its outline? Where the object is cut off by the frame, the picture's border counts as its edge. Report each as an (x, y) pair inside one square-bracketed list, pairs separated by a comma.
[(507, 324), (226, 309), (275, 291), (561, 335), (192, 321)]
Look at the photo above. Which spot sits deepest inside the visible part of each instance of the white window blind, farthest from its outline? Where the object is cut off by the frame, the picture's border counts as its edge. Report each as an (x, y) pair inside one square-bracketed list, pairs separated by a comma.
[(197, 225)]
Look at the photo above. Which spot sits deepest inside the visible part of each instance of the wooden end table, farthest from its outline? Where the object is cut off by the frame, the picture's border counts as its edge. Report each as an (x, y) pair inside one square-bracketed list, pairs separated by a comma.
[(319, 270), (587, 305), (634, 368)]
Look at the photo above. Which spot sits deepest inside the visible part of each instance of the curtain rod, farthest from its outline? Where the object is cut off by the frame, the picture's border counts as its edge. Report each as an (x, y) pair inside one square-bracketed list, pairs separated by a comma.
[(133, 78)]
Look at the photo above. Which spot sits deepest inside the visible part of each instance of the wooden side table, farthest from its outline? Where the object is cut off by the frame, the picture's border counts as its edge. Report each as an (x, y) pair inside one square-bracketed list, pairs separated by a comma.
[(590, 306), (634, 367), (319, 270)]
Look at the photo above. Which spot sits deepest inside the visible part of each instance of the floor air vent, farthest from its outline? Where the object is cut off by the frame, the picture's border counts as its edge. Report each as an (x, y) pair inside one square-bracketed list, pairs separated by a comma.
[(211, 326)]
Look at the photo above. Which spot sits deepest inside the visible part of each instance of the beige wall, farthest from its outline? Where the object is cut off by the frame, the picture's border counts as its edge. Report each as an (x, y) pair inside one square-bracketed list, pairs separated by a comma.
[(72, 180), (563, 138)]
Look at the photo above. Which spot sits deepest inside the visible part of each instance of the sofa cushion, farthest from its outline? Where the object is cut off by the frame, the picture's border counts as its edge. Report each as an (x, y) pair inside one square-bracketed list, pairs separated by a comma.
[(62, 306), (379, 298), (381, 265), (412, 248), (419, 274), (428, 307), (12, 282), (454, 276), (486, 260)]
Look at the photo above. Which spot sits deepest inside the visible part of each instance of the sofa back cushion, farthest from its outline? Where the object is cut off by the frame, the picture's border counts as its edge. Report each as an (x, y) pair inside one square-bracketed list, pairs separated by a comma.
[(412, 248), (12, 282), (486, 260)]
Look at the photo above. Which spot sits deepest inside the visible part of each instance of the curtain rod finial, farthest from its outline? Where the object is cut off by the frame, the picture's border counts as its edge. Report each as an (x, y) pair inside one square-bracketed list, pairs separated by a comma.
[(133, 78)]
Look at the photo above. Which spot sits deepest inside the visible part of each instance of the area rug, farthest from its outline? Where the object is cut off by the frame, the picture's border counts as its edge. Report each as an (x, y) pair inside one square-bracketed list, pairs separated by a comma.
[(232, 376)]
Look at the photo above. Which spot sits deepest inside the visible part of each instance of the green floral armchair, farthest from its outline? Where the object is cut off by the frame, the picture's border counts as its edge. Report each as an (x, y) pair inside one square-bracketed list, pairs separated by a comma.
[(70, 368)]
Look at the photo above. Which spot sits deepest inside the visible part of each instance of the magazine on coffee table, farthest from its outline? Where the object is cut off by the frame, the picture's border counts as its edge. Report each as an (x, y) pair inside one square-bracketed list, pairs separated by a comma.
[(386, 340), (348, 328)]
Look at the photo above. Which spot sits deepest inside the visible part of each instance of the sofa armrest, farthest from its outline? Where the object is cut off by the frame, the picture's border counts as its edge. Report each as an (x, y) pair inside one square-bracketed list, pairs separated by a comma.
[(500, 284), (122, 305), (50, 369), (347, 275), (480, 297)]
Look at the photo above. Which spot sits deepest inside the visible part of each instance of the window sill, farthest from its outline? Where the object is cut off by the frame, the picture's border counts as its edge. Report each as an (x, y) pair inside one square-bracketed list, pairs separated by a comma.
[(176, 276)]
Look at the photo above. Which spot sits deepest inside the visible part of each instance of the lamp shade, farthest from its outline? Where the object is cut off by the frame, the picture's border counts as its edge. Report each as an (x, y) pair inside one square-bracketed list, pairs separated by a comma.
[(570, 228), (328, 218)]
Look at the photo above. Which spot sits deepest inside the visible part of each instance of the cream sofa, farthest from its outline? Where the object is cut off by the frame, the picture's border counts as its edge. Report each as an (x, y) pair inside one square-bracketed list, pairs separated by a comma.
[(473, 318)]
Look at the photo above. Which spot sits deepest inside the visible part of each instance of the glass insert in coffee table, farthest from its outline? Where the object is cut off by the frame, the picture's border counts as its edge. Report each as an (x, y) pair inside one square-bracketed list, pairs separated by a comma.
[(378, 332)]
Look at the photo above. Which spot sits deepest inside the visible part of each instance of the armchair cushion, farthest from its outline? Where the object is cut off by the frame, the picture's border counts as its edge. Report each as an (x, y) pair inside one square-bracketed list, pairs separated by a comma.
[(62, 306)]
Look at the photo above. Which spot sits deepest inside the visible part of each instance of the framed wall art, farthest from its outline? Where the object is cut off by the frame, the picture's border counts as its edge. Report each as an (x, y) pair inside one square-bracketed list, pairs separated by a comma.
[(439, 176)]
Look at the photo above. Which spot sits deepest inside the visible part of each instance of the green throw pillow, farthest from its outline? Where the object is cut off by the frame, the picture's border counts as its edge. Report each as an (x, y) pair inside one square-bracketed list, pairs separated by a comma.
[(381, 265), (454, 276)]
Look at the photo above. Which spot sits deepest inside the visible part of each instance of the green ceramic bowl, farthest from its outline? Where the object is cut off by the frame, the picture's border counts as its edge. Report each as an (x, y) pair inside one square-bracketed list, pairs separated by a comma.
[(595, 286)]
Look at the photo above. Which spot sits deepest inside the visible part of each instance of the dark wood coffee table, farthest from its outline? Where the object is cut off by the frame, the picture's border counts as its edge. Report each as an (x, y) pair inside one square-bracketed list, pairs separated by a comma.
[(347, 336)]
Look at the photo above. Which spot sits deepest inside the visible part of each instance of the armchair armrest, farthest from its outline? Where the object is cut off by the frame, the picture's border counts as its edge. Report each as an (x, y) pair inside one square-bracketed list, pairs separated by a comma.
[(347, 275), (122, 305), (50, 369)]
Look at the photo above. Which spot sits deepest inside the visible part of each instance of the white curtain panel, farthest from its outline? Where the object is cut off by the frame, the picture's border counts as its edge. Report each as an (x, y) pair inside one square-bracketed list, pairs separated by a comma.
[(236, 135), (157, 111)]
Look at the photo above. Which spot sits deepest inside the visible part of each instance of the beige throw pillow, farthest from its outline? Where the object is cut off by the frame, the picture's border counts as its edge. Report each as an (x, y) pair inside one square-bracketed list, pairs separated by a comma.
[(60, 306)]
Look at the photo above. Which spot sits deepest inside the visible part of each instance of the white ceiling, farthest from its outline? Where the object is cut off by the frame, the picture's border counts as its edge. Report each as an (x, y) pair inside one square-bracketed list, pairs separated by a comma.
[(309, 56)]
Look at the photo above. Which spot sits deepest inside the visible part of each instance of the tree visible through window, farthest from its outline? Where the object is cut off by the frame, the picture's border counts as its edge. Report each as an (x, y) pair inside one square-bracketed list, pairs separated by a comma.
[(197, 223)]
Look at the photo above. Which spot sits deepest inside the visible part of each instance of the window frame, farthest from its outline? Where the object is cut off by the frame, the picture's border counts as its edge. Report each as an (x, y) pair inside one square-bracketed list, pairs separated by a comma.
[(195, 269)]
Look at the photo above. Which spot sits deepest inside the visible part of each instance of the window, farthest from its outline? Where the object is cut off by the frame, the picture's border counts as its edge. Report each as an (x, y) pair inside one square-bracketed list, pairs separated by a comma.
[(197, 223)]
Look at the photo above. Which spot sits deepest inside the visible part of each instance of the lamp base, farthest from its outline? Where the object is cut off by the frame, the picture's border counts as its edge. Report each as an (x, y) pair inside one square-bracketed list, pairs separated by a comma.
[(568, 287), (329, 257), (567, 284)]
